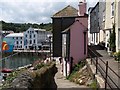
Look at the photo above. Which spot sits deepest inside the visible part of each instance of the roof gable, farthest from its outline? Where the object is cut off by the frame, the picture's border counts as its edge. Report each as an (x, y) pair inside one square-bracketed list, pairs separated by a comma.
[(67, 12), (77, 21)]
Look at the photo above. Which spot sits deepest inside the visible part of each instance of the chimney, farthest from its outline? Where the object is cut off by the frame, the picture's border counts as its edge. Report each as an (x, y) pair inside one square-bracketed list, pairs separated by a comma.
[(82, 8)]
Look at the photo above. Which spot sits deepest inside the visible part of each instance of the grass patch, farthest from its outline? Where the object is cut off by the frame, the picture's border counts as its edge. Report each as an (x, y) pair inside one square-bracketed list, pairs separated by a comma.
[(93, 85), (75, 70)]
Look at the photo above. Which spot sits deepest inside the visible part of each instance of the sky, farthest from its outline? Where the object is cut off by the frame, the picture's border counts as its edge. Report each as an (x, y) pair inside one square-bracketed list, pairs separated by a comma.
[(34, 11)]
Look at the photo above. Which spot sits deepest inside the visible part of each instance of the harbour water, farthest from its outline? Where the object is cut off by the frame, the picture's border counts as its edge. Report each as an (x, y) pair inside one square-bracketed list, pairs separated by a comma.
[(19, 60)]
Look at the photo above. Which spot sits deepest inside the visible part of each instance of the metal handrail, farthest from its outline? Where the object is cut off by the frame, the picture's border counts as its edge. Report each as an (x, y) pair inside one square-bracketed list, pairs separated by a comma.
[(104, 70), (114, 72), (9, 56), (113, 81)]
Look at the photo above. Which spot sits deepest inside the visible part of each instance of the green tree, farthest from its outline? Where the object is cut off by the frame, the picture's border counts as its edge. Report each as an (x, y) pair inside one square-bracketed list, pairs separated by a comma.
[(112, 39)]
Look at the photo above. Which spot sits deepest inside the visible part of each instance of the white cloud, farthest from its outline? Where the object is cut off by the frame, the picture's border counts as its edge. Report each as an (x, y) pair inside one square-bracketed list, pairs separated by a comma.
[(32, 11), (29, 11)]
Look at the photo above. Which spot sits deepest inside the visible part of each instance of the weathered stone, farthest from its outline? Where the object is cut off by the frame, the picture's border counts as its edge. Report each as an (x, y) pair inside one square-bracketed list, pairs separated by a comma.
[(89, 81), (41, 78)]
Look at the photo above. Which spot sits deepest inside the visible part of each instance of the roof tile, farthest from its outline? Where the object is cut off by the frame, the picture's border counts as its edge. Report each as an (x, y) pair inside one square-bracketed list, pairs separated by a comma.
[(67, 12)]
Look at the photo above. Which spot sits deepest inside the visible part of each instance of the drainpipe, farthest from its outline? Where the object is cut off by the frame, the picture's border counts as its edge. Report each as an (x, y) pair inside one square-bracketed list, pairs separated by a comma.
[(116, 30)]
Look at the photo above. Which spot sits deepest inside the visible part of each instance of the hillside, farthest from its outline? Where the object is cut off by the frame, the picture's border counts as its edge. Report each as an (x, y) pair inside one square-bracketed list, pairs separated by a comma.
[(20, 27)]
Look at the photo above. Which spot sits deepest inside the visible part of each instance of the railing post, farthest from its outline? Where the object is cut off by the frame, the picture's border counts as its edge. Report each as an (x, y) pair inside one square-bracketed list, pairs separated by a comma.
[(96, 64), (66, 66), (106, 74)]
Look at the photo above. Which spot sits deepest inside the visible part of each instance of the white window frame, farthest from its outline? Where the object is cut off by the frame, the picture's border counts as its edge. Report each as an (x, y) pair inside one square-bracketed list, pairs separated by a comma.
[(112, 9), (104, 15)]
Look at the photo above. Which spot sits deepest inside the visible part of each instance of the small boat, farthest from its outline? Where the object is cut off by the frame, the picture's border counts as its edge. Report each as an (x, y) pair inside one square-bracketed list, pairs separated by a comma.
[(5, 70)]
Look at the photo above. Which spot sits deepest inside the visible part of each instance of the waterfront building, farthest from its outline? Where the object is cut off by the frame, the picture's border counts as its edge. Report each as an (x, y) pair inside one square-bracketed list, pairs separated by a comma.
[(18, 40), (4, 32), (32, 38), (35, 38)]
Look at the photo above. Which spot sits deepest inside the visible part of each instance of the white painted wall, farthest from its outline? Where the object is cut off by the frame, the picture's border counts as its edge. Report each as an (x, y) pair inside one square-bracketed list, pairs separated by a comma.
[(64, 68), (36, 39), (102, 36), (30, 37), (107, 36), (18, 40)]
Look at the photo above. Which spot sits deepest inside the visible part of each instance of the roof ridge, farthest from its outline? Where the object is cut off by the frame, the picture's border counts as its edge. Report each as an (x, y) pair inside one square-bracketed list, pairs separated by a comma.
[(73, 24), (64, 9), (82, 24)]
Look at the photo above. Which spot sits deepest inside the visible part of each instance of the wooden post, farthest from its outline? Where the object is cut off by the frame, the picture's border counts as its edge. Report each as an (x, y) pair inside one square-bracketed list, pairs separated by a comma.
[(50, 46), (106, 74)]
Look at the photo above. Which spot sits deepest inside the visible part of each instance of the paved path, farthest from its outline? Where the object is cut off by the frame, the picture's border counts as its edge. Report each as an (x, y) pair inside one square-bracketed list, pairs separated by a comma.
[(114, 65), (63, 83)]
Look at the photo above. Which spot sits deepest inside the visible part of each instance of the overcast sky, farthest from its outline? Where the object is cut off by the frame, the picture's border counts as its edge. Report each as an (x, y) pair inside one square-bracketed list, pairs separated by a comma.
[(34, 11)]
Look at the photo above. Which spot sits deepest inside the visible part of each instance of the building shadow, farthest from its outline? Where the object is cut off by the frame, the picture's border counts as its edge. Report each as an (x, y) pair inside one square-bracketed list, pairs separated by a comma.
[(92, 51)]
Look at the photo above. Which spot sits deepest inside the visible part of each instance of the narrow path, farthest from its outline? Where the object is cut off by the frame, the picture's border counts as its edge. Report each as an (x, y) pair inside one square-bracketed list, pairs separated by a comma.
[(63, 83), (114, 65)]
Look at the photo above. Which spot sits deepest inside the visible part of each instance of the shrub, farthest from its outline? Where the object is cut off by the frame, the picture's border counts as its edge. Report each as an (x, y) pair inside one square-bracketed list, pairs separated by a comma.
[(76, 68), (93, 85), (112, 39), (118, 55)]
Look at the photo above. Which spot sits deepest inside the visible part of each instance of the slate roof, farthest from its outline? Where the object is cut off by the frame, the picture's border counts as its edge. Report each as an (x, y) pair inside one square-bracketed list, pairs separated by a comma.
[(68, 11), (15, 35)]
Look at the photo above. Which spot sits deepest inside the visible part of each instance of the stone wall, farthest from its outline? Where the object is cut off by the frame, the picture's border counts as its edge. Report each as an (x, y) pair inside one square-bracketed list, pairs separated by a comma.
[(41, 78)]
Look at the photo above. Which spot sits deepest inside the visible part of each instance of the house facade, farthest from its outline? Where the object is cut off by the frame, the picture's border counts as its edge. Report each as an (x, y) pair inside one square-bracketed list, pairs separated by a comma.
[(112, 19), (97, 23), (108, 17), (74, 41), (94, 24), (18, 40), (117, 24), (102, 6), (89, 34), (62, 20), (32, 38), (109, 21)]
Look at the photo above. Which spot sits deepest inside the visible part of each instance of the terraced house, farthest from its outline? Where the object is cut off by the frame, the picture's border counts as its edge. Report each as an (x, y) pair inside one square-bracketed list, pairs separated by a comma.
[(62, 20), (117, 24), (103, 17), (70, 28)]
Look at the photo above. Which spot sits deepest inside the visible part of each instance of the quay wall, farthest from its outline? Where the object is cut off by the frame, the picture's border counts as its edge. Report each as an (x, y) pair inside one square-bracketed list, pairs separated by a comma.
[(41, 78)]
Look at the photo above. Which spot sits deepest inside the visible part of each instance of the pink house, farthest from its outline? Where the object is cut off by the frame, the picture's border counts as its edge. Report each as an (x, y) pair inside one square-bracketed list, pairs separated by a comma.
[(74, 40)]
